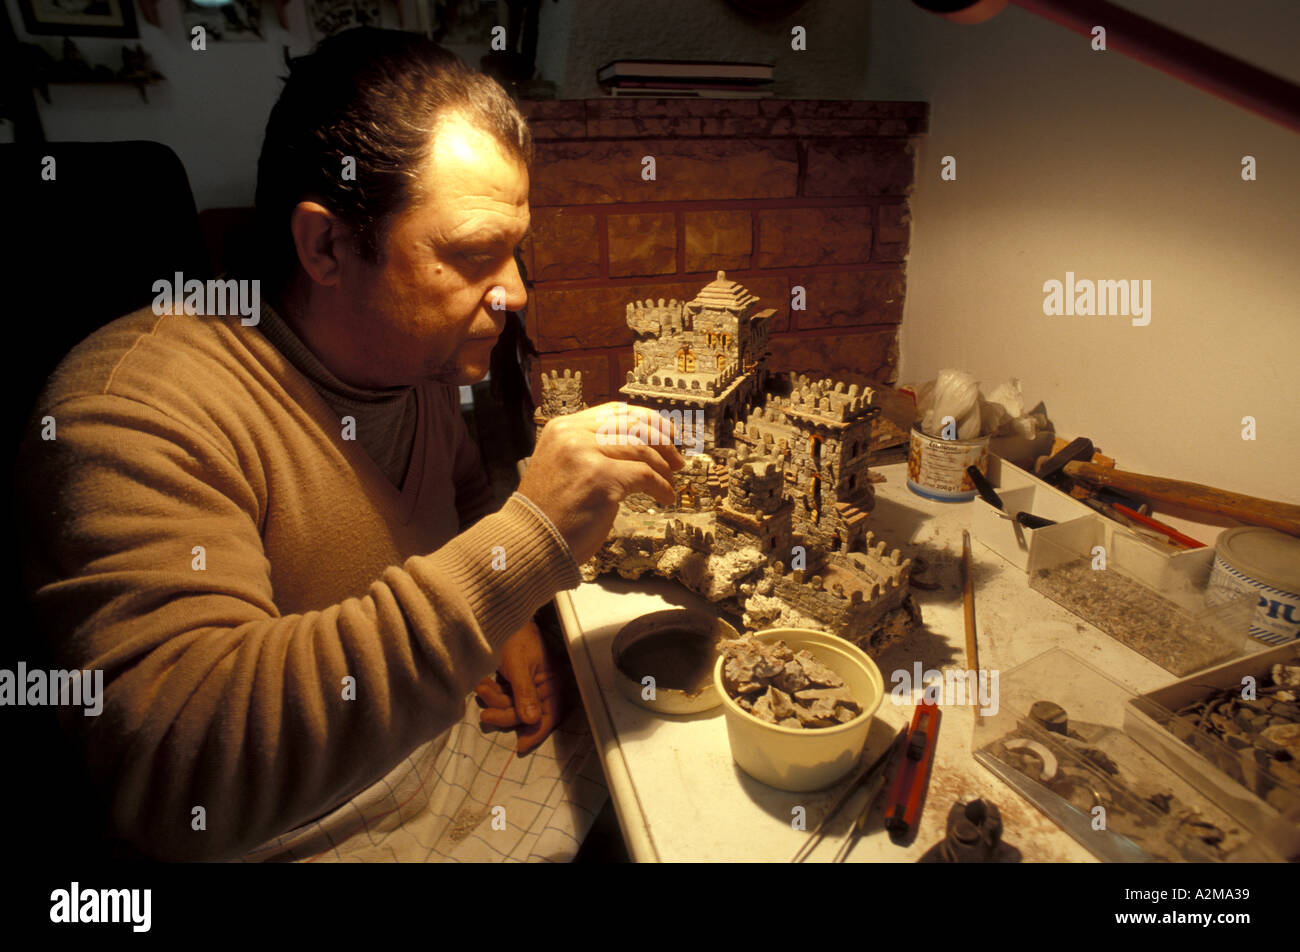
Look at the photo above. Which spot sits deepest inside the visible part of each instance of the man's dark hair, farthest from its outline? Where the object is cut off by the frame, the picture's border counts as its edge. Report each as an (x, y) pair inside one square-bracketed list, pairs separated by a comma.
[(373, 96)]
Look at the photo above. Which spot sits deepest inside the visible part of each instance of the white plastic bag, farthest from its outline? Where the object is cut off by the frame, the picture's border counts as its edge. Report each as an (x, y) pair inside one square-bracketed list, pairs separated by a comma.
[(955, 394)]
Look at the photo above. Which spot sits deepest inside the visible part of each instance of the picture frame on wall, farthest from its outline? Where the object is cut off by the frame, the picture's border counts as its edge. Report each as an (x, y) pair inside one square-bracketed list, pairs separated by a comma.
[(79, 17)]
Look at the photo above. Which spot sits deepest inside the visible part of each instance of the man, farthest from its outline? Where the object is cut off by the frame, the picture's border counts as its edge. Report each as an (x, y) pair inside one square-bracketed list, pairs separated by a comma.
[(268, 537)]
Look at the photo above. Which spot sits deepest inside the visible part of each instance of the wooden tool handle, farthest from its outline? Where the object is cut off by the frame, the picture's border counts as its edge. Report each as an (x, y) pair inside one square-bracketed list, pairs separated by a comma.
[(1259, 512)]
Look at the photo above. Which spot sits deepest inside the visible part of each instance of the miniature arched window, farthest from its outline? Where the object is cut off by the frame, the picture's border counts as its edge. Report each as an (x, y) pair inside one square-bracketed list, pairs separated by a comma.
[(637, 358), (726, 340), (835, 540), (855, 449), (815, 449), (722, 361), (853, 482), (710, 337)]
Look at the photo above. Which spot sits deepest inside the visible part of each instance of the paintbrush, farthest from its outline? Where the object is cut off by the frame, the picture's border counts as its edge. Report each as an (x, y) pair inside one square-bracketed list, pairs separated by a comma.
[(968, 604)]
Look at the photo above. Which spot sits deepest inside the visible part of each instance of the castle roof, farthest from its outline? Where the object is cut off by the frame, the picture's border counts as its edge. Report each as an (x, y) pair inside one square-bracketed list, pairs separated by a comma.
[(722, 294)]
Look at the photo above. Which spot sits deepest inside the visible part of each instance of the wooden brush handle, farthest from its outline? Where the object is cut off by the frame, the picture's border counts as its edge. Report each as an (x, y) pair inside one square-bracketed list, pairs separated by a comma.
[(1258, 512)]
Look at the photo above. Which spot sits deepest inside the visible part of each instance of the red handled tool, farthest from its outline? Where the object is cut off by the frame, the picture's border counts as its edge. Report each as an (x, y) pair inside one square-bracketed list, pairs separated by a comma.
[(904, 805)]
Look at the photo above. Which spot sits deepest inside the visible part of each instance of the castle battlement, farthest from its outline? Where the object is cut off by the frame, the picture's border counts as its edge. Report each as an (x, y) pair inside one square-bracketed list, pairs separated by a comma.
[(814, 583), (678, 532), (561, 395), (829, 400), (692, 384), (648, 319)]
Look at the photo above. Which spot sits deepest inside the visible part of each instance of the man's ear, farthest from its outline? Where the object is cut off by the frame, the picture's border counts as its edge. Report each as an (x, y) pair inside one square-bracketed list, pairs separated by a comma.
[(319, 237)]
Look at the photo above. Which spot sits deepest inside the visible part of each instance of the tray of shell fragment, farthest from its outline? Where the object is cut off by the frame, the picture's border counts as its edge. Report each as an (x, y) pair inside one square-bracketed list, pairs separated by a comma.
[(1234, 732), (1057, 739), (781, 686)]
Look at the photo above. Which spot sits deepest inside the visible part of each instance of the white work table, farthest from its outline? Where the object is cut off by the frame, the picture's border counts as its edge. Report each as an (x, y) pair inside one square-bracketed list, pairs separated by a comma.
[(680, 796)]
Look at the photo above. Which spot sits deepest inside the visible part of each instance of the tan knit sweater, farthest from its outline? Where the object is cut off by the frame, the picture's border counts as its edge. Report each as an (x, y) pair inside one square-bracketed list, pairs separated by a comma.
[(200, 529)]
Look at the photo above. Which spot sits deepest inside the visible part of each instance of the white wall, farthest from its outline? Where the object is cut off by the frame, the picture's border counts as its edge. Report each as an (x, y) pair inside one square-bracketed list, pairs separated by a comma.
[(1070, 159)]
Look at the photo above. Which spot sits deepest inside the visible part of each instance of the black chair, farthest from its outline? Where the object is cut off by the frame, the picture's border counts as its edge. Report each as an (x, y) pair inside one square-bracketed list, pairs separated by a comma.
[(81, 248)]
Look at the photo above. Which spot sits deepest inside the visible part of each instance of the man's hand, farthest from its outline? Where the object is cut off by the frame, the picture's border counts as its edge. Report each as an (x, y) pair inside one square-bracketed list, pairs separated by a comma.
[(528, 691), (585, 463)]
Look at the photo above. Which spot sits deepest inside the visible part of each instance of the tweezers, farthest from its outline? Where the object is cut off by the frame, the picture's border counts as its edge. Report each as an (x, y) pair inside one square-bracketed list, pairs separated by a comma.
[(874, 786), (874, 775)]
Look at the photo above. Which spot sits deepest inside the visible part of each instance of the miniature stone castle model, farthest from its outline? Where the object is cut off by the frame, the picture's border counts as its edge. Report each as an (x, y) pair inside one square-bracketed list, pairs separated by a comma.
[(770, 516)]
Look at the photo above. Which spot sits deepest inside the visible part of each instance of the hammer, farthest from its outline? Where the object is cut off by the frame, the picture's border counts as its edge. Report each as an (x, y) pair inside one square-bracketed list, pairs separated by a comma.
[(1052, 470), (1072, 463)]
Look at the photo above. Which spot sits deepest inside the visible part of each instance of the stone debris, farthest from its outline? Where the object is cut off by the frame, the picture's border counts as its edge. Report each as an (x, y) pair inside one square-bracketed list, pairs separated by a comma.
[(818, 673), (773, 683)]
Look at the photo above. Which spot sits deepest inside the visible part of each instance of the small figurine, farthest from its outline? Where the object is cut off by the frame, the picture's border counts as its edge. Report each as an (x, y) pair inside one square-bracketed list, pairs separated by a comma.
[(974, 836)]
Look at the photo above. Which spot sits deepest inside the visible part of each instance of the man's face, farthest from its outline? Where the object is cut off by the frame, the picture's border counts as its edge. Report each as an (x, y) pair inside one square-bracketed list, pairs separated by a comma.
[(425, 310)]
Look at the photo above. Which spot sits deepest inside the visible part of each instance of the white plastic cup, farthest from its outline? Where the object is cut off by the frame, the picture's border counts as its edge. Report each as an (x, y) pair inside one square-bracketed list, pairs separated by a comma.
[(799, 759)]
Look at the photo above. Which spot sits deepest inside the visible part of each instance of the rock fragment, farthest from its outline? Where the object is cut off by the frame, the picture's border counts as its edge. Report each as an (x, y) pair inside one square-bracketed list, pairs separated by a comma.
[(780, 686)]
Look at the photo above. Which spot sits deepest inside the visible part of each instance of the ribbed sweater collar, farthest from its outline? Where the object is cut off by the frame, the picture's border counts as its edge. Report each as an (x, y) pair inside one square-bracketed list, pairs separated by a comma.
[(386, 418)]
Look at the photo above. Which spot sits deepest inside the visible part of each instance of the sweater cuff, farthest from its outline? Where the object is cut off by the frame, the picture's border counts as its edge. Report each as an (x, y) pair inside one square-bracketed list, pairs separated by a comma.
[(509, 564), (546, 520)]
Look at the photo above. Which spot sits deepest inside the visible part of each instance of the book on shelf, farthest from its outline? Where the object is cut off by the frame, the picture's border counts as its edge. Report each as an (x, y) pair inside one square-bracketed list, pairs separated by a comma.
[(686, 92), (703, 71)]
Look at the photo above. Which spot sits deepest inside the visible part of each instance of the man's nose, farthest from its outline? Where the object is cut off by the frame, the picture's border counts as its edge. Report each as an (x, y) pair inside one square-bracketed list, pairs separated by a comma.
[(509, 292)]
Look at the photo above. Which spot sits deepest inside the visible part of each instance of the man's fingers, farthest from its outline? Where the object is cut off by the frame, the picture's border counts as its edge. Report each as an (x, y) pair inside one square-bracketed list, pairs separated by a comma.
[(527, 705), (520, 672), (620, 424), (498, 717), (530, 735), (549, 696), (639, 452), (490, 693), (638, 477)]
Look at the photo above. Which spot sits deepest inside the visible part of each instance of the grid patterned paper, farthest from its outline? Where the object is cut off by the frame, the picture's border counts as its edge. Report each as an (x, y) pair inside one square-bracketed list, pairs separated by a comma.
[(425, 809)]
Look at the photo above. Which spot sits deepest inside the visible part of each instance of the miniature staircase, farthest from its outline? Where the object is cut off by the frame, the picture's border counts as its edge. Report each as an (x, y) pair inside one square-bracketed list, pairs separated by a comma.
[(851, 514), (718, 481)]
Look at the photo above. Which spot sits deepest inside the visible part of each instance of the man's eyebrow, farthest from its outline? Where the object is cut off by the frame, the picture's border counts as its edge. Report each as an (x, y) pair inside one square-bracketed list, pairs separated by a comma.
[(488, 238)]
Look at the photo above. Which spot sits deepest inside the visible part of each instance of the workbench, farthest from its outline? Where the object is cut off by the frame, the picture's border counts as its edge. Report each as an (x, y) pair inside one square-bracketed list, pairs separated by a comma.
[(681, 798)]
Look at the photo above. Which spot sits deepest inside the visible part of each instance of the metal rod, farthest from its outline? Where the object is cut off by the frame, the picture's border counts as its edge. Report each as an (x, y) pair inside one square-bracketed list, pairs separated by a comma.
[(1191, 61)]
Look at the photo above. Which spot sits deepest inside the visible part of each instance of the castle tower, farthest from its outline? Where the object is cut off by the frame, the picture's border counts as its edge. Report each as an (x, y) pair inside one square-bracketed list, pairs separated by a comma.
[(560, 396), (830, 453), (755, 513), (703, 360)]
